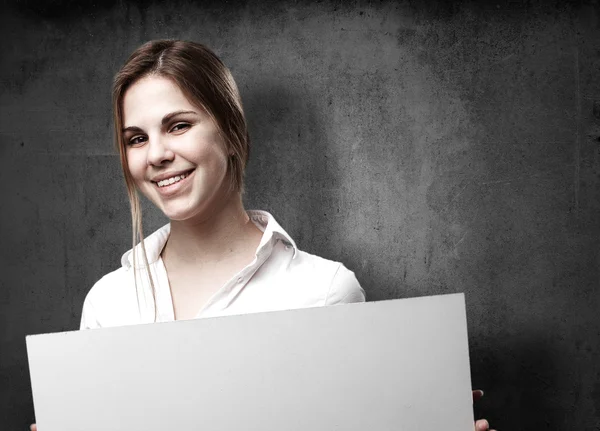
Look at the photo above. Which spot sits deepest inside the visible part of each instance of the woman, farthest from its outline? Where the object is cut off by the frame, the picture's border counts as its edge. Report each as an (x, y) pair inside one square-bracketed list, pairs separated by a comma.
[(183, 143), (182, 138)]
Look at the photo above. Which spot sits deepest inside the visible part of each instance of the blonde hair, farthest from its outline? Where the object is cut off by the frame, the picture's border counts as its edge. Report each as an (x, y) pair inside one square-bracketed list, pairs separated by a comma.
[(208, 84)]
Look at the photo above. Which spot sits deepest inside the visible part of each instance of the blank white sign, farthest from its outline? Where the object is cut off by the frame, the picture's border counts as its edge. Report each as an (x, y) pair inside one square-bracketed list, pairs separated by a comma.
[(388, 365)]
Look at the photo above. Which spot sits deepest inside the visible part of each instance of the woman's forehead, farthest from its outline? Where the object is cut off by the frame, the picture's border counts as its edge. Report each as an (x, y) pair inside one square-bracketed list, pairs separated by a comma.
[(149, 99)]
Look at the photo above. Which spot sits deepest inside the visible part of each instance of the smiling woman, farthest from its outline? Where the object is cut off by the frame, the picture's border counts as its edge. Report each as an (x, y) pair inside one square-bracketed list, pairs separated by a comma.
[(175, 152), (183, 143)]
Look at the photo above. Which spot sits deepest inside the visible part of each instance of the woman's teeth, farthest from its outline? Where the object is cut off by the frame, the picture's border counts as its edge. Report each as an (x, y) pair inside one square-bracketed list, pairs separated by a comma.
[(171, 180)]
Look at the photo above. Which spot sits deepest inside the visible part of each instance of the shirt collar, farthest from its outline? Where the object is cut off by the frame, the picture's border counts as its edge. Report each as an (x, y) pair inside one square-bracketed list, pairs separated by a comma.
[(155, 242), (271, 229)]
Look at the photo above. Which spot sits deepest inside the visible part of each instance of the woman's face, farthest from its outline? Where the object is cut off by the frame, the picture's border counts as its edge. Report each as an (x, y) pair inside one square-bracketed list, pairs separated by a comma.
[(174, 150)]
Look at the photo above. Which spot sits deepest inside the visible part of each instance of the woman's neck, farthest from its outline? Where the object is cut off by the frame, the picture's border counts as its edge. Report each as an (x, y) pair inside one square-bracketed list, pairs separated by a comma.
[(222, 235)]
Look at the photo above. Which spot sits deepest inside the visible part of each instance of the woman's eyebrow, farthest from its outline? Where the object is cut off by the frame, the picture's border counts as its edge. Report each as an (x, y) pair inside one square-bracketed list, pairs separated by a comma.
[(163, 122), (168, 117), (134, 129)]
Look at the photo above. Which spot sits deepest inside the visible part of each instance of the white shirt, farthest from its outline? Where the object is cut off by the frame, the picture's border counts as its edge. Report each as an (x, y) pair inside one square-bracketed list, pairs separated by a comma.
[(280, 277)]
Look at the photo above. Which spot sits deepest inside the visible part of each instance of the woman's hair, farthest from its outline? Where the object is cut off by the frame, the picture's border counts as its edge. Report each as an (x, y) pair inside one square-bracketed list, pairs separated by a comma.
[(208, 84)]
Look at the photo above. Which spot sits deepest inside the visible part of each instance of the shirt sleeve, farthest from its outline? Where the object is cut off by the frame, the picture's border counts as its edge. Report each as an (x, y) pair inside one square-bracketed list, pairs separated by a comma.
[(344, 288)]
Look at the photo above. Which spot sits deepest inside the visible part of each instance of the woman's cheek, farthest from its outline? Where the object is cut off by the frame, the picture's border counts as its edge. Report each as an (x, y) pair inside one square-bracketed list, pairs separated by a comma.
[(137, 169), (135, 165)]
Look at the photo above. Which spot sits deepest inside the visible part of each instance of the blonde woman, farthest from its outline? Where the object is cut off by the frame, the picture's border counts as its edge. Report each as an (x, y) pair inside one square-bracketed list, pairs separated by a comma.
[(183, 143)]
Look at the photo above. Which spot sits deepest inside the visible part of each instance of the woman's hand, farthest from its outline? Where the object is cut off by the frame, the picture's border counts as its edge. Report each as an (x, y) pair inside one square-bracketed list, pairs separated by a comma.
[(33, 427), (481, 424)]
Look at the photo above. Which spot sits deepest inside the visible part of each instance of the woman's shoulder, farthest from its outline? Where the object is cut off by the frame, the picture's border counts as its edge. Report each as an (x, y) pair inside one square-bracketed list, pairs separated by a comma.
[(110, 298), (119, 284), (112, 283), (340, 283), (323, 280)]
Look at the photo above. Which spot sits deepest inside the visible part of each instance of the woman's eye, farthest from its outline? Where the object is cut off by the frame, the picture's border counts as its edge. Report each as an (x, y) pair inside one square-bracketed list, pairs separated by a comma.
[(179, 127), (136, 140)]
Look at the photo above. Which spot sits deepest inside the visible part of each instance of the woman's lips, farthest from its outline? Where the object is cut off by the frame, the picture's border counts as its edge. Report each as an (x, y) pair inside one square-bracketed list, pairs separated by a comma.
[(177, 185)]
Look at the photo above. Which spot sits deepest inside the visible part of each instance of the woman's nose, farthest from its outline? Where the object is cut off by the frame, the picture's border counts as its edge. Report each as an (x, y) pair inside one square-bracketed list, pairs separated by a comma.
[(158, 151)]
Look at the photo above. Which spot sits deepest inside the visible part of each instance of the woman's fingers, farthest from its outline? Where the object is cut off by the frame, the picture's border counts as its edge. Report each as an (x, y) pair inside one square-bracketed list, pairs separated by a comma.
[(481, 424), (33, 427)]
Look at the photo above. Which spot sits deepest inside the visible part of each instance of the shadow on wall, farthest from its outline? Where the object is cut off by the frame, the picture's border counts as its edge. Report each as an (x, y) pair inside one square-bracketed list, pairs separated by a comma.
[(291, 172), (522, 377)]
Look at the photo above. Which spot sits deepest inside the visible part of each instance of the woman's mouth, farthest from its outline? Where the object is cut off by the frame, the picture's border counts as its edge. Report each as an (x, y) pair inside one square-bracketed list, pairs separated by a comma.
[(171, 180), (174, 183)]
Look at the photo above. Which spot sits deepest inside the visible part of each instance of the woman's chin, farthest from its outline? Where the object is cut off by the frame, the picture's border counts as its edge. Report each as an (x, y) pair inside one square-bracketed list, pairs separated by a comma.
[(179, 216), (195, 209), (184, 213), (177, 212)]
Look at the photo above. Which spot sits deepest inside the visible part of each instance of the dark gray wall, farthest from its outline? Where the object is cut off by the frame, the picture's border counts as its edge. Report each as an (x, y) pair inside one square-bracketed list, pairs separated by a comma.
[(432, 148)]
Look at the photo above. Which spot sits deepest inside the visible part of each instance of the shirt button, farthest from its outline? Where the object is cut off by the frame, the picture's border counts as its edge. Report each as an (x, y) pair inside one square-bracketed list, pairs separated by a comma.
[(239, 280), (288, 246)]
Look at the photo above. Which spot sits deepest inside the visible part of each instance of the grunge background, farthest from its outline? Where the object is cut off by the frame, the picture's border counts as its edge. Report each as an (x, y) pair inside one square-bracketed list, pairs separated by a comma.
[(432, 147)]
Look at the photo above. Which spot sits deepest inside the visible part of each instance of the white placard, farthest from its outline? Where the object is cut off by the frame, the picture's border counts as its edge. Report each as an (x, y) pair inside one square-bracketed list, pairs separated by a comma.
[(388, 365)]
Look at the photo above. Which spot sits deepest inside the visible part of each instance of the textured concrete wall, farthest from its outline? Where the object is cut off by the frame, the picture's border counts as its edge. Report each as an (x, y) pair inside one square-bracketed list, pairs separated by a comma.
[(432, 148)]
